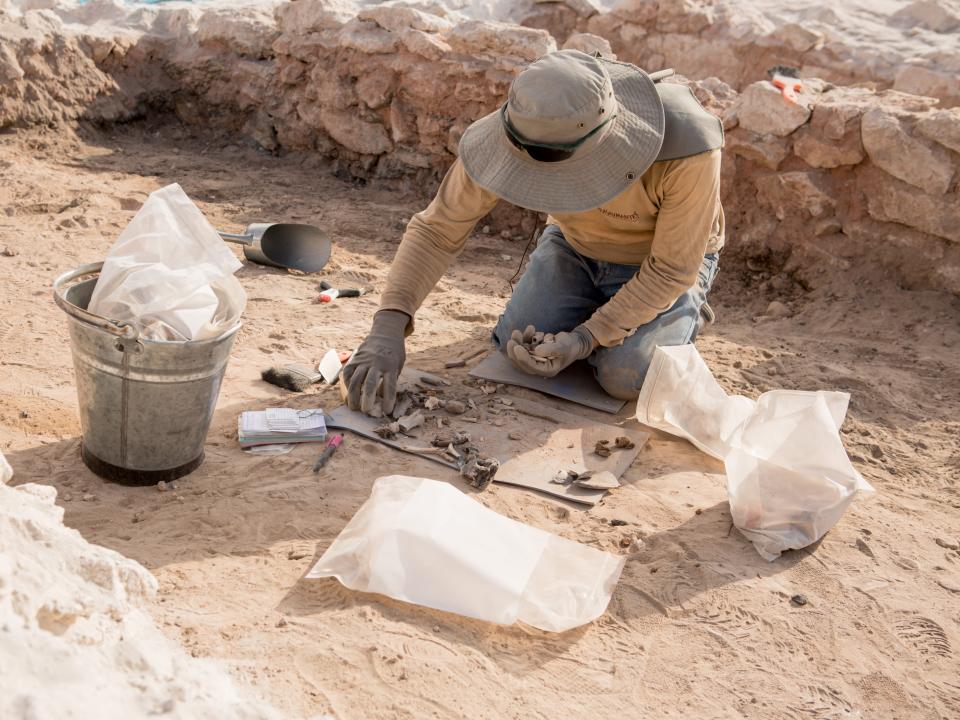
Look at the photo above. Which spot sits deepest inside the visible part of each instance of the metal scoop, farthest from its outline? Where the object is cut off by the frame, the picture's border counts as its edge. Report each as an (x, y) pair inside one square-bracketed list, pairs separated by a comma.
[(284, 245)]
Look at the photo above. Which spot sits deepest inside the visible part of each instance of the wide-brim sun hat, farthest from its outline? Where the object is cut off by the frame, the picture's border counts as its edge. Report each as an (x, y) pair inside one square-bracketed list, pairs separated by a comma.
[(599, 121)]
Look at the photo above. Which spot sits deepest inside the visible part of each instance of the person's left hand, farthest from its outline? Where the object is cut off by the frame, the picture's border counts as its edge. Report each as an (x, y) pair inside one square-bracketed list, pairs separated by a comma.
[(554, 354)]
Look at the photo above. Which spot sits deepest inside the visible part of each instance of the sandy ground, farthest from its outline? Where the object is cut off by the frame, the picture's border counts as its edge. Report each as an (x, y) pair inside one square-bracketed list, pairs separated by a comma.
[(699, 626)]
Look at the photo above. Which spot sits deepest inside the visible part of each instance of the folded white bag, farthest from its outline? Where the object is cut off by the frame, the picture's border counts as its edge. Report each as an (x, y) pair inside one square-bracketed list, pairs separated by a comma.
[(169, 274), (425, 542), (6, 472), (789, 479)]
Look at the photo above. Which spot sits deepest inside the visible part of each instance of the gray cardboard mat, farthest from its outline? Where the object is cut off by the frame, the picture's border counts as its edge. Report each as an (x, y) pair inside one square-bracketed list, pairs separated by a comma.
[(576, 384)]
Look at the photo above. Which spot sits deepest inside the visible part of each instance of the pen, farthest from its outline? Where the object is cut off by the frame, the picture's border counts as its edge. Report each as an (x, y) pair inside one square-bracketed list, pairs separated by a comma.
[(328, 451)]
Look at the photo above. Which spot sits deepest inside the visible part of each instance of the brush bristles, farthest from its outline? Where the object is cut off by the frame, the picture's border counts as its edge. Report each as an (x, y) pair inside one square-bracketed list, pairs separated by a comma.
[(283, 378)]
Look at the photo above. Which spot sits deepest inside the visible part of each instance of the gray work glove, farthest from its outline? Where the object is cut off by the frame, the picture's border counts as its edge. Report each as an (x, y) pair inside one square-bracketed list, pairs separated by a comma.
[(552, 355), (379, 359)]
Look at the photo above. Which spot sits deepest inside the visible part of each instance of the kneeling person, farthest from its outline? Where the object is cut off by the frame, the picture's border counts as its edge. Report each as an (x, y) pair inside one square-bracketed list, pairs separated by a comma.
[(628, 171)]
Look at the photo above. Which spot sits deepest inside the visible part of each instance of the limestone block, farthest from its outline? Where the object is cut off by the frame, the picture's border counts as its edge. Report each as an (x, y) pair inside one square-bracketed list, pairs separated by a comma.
[(895, 151), (292, 72), (766, 150), (250, 33), (583, 8), (10, 69), (366, 138), (403, 123), (398, 17), (641, 12), (795, 36), (941, 16), (894, 201), (820, 153), (375, 89), (763, 110), (305, 16), (502, 39), (588, 43), (795, 192), (942, 126), (330, 90), (920, 80), (684, 16), (837, 112), (425, 44), (367, 37), (692, 56)]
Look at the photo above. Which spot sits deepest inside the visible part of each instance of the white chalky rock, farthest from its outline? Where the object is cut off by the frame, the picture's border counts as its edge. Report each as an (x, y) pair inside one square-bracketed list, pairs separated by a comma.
[(74, 642)]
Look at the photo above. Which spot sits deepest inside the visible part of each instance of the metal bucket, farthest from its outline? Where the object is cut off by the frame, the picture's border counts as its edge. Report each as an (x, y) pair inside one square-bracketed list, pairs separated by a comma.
[(145, 406)]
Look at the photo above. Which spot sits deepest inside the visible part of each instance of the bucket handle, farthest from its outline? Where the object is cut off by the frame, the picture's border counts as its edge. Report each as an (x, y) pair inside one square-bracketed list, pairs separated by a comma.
[(115, 327)]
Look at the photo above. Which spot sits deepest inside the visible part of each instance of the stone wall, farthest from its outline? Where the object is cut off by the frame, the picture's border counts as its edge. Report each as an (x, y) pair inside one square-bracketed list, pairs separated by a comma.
[(846, 175), (737, 42)]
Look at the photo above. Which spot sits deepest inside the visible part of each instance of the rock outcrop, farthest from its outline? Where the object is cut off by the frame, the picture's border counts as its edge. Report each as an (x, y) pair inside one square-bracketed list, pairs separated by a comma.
[(74, 641)]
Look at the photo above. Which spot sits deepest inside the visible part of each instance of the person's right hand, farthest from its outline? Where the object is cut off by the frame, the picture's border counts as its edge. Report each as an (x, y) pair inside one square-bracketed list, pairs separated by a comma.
[(377, 363)]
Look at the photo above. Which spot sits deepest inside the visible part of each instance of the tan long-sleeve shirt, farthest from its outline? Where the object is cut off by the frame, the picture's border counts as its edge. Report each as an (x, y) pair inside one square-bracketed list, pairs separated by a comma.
[(664, 223)]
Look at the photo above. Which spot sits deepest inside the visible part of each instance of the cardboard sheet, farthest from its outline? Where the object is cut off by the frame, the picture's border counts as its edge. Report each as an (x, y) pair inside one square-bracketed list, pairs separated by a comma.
[(567, 444), (576, 384), (564, 442)]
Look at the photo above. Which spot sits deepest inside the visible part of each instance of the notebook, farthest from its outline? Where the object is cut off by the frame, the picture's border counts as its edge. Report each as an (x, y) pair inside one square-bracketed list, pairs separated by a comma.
[(281, 425)]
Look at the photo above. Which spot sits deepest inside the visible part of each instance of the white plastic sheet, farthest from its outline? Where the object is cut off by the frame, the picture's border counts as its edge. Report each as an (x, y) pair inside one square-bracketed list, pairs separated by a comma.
[(425, 542), (788, 476), (169, 274), (6, 472)]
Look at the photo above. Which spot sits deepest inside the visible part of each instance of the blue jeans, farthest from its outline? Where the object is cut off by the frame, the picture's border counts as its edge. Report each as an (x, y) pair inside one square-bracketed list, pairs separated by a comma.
[(562, 288)]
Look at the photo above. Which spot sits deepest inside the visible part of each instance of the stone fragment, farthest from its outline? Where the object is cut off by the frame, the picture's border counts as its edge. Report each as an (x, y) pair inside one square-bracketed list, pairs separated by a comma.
[(942, 126), (588, 43), (819, 153), (797, 37), (926, 81), (455, 407), (250, 33), (305, 16), (777, 310), (766, 150), (796, 191), (763, 110), (501, 39), (684, 16), (603, 480), (898, 202), (424, 44), (398, 17), (366, 138), (896, 152), (641, 12), (941, 16), (583, 8), (367, 37), (375, 89)]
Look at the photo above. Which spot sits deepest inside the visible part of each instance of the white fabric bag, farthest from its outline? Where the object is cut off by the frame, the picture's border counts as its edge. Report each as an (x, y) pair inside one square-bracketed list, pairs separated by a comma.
[(425, 542), (789, 479), (169, 274)]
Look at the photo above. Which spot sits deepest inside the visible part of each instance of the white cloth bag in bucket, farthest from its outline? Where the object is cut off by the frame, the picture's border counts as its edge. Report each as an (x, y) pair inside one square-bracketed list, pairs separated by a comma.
[(425, 542), (789, 479), (169, 274)]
